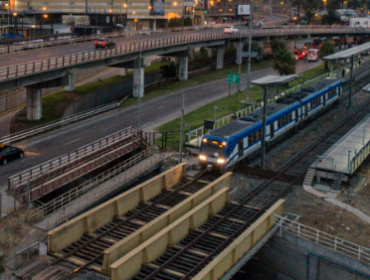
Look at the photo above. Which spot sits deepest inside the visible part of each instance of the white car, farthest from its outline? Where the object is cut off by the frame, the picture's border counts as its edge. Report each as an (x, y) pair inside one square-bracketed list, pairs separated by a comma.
[(231, 29)]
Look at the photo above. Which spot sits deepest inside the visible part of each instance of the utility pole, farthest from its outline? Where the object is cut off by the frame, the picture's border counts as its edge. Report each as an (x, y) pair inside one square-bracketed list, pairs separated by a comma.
[(250, 47), (182, 126)]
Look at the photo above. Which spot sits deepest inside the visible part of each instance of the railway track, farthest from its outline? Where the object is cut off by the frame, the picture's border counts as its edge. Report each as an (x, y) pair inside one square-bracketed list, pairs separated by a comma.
[(88, 251), (185, 259)]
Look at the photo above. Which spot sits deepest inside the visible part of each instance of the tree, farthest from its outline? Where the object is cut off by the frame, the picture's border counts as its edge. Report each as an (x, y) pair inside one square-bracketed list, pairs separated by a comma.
[(188, 22), (168, 71), (354, 4), (174, 22), (277, 44), (284, 62), (327, 48), (330, 18)]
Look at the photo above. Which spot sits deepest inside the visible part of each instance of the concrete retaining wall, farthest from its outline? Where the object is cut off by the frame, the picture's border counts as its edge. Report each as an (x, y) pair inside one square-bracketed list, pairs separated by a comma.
[(90, 221), (138, 237), (285, 258), (13, 99), (153, 248)]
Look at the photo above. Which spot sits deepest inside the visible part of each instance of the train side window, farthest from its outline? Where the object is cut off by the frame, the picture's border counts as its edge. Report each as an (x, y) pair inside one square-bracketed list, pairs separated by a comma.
[(296, 115), (306, 109), (240, 148)]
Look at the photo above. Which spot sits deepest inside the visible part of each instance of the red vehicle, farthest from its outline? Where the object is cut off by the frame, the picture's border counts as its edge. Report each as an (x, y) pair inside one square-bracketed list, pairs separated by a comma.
[(299, 54)]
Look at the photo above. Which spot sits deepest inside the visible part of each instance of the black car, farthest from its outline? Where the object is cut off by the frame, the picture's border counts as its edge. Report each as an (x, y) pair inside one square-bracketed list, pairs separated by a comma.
[(104, 43), (8, 153)]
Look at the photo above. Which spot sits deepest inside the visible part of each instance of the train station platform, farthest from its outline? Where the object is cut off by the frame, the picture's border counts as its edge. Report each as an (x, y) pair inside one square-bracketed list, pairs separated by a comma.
[(346, 155)]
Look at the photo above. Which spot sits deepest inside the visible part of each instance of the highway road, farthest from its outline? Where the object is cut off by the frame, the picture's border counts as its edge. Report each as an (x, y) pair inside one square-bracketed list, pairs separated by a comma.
[(155, 111), (59, 51)]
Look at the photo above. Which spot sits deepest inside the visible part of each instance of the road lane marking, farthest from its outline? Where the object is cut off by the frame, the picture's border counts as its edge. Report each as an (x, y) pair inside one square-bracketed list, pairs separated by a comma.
[(160, 107), (72, 141)]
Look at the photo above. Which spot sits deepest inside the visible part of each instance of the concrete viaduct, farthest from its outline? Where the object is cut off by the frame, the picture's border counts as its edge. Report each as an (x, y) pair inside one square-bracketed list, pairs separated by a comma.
[(59, 71)]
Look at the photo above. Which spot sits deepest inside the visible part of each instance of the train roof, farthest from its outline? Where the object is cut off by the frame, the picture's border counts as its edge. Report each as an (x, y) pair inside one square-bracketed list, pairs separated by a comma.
[(239, 125), (282, 104)]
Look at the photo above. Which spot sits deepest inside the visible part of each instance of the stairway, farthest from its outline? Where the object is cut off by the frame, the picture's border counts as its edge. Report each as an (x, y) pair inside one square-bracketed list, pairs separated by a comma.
[(308, 179)]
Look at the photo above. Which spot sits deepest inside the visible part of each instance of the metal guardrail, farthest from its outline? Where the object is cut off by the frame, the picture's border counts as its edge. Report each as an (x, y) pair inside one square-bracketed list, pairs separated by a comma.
[(23, 69), (21, 179), (15, 137), (324, 239), (42, 209), (67, 39), (66, 213), (25, 255), (63, 176), (194, 136)]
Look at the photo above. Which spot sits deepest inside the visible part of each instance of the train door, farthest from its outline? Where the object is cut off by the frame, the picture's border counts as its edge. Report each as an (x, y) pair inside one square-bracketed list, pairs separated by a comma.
[(240, 148), (324, 99), (272, 130), (306, 110)]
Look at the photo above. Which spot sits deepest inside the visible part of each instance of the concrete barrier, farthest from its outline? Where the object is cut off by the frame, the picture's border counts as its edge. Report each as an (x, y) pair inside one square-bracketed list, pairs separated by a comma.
[(73, 230), (129, 265), (236, 250), (141, 235)]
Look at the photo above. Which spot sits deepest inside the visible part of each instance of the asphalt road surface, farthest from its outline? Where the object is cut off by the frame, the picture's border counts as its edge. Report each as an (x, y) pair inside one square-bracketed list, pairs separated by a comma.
[(156, 111), (59, 51)]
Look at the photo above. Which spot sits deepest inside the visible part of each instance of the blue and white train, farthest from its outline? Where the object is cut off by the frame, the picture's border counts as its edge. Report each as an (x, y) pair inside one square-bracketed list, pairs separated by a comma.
[(241, 138)]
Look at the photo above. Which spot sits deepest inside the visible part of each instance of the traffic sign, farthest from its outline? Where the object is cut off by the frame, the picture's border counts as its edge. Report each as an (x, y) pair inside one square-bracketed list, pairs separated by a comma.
[(233, 79), (246, 54)]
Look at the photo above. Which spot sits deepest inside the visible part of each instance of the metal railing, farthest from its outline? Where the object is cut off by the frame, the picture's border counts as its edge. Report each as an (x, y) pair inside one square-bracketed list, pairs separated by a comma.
[(66, 212), (43, 209), (27, 68), (194, 136), (22, 178), (24, 256), (324, 239), (15, 137)]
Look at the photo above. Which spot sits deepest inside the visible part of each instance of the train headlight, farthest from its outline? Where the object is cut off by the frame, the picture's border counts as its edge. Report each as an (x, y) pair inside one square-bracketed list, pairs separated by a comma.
[(205, 140), (220, 160), (223, 143), (202, 157)]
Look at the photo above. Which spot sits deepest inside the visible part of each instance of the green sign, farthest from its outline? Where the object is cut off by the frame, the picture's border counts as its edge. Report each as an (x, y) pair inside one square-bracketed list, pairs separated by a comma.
[(233, 79)]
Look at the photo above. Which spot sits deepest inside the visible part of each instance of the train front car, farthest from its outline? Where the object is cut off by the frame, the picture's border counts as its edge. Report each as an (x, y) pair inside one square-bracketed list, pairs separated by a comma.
[(213, 152)]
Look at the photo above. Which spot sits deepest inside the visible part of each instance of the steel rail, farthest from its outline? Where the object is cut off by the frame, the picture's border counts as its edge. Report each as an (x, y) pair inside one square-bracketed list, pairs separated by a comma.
[(116, 226), (248, 197)]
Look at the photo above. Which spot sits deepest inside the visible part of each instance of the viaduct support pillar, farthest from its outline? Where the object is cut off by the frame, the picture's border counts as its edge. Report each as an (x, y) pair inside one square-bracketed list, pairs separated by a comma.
[(239, 49), (71, 82), (209, 52), (220, 57), (183, 68), (34, 104), (138, 86)]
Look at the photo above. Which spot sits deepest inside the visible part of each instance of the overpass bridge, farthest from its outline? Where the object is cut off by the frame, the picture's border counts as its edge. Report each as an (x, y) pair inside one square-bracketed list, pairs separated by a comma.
[(59, 71)]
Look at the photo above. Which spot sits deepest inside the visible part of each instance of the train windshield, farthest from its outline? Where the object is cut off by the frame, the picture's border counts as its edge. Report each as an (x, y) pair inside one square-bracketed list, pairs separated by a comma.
[(213, 148)]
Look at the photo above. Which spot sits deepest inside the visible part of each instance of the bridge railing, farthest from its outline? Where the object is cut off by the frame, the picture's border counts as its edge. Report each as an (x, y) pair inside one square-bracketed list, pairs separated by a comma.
[(20, 179), (14, 71), (194, 137), (324, 239), (15, 137)]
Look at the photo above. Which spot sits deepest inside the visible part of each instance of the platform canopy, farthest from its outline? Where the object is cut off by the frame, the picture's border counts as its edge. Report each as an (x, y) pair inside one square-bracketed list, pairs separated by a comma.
[(348, 53), (274, 80)]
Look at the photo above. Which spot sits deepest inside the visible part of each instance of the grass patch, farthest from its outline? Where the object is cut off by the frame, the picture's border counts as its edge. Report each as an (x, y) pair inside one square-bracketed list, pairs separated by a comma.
[(225, 106), (87, 88), (168, 87)]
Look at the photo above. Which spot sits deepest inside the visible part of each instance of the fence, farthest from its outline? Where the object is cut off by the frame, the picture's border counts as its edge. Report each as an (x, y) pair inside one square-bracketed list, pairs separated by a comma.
[(18, 180), (43, 209), (324, 239), (15, 137), (194, 136), (24, 256), (66, 212), (34, 67)]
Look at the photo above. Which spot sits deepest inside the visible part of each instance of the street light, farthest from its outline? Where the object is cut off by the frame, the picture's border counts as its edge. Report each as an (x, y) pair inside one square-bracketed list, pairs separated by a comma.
[(29, 23), (7, 5)]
